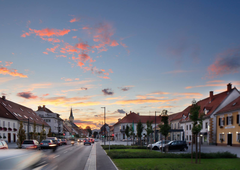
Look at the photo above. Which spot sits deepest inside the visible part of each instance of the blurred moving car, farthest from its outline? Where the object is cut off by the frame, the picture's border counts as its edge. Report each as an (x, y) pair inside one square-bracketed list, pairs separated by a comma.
[(59, 141), (64, 141), (3, 144), (91, 140), (47, 144), (30, 144), (19, 158), (87, 141), (54, 139), (157, 145), (176, 145), (79, 140)]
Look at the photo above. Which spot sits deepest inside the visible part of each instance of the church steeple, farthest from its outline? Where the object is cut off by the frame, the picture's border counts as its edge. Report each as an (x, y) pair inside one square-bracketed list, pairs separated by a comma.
[(71, 118)]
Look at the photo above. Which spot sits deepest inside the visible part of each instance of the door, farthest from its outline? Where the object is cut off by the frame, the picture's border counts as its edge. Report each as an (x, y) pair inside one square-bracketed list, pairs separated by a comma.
[(14, 137), (229, 139), (9, 137)]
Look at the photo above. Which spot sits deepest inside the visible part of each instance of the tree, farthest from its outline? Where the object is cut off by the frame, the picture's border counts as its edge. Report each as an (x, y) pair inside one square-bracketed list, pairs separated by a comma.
[(43, 133), (165, 127), (197, 119), (127, 132), (139, 130), (131, 131), (49, 133), (149, 130), (34, 130), (88, 128), (21, 135)]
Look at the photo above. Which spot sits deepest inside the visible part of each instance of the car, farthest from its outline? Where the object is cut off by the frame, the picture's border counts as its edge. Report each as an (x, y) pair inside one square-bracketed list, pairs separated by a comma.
[(64, 141), (79, 140), (96, 140), (176, 145), (157, 145), (87, 141), (91, 140), (54, 139), (30, 144), (59, 141), (48, 144), (3, 144)]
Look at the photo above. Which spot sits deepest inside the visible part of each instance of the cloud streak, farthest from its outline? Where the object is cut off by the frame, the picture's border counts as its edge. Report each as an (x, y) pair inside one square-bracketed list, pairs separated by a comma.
[(107, 91), (27, 95), (12, 72)]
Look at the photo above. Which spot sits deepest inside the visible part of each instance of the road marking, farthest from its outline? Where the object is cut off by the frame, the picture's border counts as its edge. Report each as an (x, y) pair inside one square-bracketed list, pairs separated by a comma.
[(40, 167), (56, 156)]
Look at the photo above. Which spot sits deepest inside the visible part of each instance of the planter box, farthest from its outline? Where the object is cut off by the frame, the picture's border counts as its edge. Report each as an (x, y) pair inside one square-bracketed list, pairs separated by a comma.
[(10, 129), (15, 129), (1, 128), (4, 129)]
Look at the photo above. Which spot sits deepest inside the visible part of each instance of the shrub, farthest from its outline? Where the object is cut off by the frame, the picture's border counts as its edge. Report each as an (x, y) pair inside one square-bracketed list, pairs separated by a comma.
[(106, 147), (126, 154)]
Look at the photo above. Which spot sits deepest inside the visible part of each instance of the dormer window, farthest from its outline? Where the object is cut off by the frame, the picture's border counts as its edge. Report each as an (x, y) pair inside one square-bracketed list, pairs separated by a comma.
[(206, 111), (21, 109), (25, 116), (9, 105), (4, 104)]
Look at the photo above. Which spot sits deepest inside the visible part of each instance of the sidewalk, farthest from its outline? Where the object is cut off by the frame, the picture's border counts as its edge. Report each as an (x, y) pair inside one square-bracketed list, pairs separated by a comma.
[(103, 161)]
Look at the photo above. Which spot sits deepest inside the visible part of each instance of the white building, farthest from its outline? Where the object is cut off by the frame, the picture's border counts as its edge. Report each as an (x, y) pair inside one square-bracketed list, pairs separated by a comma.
[(53, 119), (10, 116)]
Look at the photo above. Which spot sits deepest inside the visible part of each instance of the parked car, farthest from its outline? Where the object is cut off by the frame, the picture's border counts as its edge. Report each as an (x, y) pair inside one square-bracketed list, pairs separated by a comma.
[(54, 139), (157, 145), (87, 141), (64, 141), (48, 144), (92, 140), (30, 144), (176, 145), (3, 144)]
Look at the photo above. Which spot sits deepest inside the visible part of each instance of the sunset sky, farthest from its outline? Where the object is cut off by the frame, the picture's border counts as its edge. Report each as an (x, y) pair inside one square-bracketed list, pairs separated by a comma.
[(125, 55)]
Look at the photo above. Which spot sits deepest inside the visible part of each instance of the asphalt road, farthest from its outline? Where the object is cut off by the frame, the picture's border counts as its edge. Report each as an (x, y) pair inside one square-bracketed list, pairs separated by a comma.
[(65, 157)]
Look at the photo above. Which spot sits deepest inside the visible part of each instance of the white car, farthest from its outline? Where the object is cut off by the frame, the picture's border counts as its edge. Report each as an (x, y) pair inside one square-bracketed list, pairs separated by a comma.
[(155, 146)]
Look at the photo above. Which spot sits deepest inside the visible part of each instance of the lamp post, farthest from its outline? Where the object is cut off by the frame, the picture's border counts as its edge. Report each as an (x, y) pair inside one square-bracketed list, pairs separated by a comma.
[(155, 126), (104, 125)]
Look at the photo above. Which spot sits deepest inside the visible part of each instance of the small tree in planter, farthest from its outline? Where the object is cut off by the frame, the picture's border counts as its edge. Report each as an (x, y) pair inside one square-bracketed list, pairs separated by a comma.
[(34, 131), (139, 131), (4, 137), (43, 133), (221, 140), (0, 137), (127, 133), (21, 135), (49, 133)]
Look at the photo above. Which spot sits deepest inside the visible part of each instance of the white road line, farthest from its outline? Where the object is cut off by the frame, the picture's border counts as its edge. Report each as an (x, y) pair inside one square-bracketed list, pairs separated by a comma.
[(56, 156)]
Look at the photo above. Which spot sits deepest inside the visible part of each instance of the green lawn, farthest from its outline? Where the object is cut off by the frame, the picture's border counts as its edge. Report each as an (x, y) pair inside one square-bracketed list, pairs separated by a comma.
[(177, 164)]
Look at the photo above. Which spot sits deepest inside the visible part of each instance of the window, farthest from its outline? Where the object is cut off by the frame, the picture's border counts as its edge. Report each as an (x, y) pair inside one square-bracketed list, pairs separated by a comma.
[(178, 125), (206, 125), (3, 123), (238, 119), (187, 137), (8, 124), (13, 125), (229, 120), (0, 122), (238, 136), (221, 137), (187, 127), (190, 127), (190, 137), (174, 125)]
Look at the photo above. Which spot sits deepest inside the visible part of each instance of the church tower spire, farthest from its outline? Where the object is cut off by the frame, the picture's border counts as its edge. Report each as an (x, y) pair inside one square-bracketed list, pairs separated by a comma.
[(71, 118)]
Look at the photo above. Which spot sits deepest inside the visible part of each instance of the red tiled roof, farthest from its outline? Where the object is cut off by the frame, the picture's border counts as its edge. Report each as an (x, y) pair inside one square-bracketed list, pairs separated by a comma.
[(133, 117), (233, 106), (175, 116), (205, 103), (21, 113)]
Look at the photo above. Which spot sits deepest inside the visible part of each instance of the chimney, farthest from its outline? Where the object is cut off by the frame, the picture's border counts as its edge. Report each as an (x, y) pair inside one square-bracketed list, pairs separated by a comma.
[(229, 87), (130, 112), (210, 96), (126, 114), (4, 97), (39, 107), (119, 119), (44, 107)]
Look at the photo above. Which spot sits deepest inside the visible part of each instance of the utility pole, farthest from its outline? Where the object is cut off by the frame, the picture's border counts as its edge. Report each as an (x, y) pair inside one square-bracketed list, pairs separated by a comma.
[(155, 128), (28, 130), (104, 126)]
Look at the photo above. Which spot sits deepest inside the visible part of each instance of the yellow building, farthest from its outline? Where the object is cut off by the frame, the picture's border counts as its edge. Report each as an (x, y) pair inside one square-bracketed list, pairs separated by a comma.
[(228, 124)]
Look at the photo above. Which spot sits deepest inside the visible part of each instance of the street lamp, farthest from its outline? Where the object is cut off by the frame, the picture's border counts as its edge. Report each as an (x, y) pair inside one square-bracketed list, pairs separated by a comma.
[(155, 127), (104, 125)]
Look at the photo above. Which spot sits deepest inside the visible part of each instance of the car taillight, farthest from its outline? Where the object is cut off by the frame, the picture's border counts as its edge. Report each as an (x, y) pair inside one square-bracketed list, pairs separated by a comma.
[(49, 143), (41, 143)]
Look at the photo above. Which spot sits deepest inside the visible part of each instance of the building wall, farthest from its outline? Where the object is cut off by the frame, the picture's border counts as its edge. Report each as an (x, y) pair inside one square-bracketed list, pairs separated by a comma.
[(233, 129), (9, 134), (234, 94)]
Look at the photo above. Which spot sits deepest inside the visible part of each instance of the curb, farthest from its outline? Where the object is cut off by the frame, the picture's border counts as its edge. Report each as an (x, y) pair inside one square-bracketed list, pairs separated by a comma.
[(110, 160)]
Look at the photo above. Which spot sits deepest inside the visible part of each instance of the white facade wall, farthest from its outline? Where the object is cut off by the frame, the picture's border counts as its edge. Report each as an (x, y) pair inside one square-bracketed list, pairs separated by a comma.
[(118, 135), (9, 123)]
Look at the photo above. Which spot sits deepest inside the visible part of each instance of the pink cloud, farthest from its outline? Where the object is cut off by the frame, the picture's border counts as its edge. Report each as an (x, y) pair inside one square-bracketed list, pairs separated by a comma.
[(82, 46), (124, 45), (74, 20), (54, 40), (12, 72), (227, 62), (74, 37), (74, 30), (27, 95), (84, 28), (61, 56), (47, 32), (110, 70), (8, 63), (45, 52), (114, 43), (53, 49)]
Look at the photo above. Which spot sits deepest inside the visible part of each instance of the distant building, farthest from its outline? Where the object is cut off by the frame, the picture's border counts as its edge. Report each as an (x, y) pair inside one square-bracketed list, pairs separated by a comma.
[(53, 119), (11, 114)]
